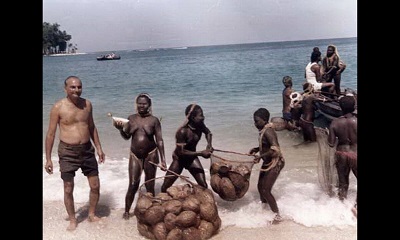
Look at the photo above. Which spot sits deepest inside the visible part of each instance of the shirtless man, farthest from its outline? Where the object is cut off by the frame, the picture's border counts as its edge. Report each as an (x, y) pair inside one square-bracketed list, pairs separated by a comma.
[(185, 154), (343, 131), (308, 112), (74, 116), (332, 68), (144, 130), (287, 110), (273, 161)]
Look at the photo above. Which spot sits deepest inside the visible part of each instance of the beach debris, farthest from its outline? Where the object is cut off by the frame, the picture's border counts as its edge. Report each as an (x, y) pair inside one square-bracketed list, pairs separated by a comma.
[(186, 211)]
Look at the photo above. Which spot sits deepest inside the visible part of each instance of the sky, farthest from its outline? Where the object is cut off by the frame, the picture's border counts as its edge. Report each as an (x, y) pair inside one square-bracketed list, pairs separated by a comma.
[(113, 25)]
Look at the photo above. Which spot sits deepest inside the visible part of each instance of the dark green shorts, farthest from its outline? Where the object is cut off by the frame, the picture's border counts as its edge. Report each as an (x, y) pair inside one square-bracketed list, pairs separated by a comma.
[(73, 157)]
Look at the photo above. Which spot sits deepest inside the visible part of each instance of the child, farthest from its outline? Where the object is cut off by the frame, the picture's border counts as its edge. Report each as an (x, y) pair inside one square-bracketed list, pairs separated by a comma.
[(273, 161)]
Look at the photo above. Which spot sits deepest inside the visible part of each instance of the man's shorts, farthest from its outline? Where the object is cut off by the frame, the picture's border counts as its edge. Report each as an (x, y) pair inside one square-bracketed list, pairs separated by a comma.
[(73, 157)]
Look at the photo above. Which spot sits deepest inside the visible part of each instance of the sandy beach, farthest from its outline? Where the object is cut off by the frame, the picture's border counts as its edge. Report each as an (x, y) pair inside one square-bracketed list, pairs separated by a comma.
[(113, 226)]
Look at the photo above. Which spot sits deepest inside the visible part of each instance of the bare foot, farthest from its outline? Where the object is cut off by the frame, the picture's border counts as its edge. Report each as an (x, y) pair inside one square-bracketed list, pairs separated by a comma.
[(125, 215), (72, 225), (277, 219), (354, 211), (94, 218)]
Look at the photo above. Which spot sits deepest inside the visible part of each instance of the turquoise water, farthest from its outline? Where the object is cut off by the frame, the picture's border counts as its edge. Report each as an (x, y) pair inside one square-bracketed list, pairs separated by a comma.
[(229, 82)]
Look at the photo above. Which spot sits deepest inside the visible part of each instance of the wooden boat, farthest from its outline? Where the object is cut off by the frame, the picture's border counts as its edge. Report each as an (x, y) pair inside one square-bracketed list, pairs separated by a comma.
[(331, 109), (109, 57)]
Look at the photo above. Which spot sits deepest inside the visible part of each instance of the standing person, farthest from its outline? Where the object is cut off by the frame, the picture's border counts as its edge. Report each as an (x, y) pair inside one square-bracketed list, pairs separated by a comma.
[(74, 116), (343, 131), (332, 67), (287, 110), (306, 121), (273, 161), (313, 73), (144, 130), (185, 154)]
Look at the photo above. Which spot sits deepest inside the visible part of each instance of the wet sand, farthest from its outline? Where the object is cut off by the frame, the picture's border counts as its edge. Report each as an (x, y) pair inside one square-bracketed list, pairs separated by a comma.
[(113, 226)]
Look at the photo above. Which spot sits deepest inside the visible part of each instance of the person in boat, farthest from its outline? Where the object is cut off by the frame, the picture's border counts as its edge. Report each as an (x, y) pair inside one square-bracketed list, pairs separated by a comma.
[(313, 73), (271, 155), (287, 110), (185, 155), (147, 145), (343, 135), (332, 68), (306, 121)]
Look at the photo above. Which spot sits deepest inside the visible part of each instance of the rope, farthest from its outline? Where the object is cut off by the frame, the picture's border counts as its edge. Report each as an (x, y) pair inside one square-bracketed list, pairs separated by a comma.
[(227, 160), (246, 154), (174, 173)]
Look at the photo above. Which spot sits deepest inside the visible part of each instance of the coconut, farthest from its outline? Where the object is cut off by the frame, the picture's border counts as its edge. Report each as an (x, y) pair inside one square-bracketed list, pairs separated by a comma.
[(163, 196), (208, 211), (191, 203), (244, 170), (175, 234), (206, 229), (159, 231), (217, 224), (173, 206), (224, 170), (169, 221), (214, 181), (237, 180), (154, 215), (205, 195), (145, 230), (228, 191), (240, 193), (191, 233), (215, 167), (143, 203), (173, 191), (186, 219)]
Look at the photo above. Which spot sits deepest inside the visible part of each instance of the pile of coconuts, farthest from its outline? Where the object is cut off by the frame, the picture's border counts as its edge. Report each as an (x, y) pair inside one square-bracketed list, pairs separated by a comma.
[(230, 179), (183, 212)]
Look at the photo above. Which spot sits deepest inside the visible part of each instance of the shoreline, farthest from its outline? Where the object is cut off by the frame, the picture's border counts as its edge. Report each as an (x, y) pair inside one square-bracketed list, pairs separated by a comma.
[(113, 226), (63, 54)]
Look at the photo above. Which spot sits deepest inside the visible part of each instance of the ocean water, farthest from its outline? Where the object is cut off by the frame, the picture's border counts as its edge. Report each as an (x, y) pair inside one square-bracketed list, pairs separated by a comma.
[(229, 82)]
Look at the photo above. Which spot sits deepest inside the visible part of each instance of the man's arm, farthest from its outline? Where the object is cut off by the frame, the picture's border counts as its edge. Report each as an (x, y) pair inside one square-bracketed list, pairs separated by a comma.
[(94, 135), (331, 134), (50, 136)]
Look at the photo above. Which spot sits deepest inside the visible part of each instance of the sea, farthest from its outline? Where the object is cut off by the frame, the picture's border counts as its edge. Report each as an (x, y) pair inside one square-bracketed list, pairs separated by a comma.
[(229, 82)]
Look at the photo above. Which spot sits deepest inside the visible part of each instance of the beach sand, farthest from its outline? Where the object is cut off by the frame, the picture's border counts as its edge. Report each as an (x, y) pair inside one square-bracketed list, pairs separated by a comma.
[(113, 226)]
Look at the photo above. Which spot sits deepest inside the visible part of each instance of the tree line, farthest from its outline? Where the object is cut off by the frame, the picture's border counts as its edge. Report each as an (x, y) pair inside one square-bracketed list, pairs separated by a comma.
[(56, 41)]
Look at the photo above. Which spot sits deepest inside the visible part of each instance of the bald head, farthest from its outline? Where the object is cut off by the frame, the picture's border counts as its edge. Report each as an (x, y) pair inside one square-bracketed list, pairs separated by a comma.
[(71, 78)]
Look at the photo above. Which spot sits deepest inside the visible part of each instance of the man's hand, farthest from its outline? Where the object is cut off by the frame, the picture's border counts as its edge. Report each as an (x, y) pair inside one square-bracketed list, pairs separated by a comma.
[(49, 167)]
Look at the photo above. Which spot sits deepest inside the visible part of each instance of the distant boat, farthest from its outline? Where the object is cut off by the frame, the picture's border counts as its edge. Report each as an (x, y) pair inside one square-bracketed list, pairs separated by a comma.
[(111, 56)]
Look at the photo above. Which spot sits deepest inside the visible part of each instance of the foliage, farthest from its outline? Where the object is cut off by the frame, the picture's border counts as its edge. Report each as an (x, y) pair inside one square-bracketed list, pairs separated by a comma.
[(55, 40)]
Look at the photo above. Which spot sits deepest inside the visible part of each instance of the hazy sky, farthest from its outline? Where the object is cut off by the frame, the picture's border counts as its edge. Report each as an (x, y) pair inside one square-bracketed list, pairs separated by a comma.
[(111, 25)]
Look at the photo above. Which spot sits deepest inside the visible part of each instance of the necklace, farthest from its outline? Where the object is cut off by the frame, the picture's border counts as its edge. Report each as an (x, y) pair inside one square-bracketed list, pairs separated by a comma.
[(192, 128)]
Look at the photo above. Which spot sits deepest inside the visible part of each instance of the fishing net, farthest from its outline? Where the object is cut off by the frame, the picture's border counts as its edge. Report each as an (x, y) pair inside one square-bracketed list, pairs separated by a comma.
[(230, 173), (184, 211), (327, 173)]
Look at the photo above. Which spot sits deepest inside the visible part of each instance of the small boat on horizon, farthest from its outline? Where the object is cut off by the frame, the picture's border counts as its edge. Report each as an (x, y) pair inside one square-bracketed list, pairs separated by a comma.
[(111, 56)]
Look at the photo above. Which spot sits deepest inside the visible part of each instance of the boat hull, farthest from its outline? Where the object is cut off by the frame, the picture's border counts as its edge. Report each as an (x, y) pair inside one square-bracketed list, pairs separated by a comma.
[(103, 58)]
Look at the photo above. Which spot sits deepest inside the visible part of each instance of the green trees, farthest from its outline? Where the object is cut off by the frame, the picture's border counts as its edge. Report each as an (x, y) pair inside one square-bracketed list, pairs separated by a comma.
[(55, 40)]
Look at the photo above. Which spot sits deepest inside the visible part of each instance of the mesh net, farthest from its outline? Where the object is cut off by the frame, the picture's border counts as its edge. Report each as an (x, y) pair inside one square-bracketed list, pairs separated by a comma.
[(327, 173), (230, 174)]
